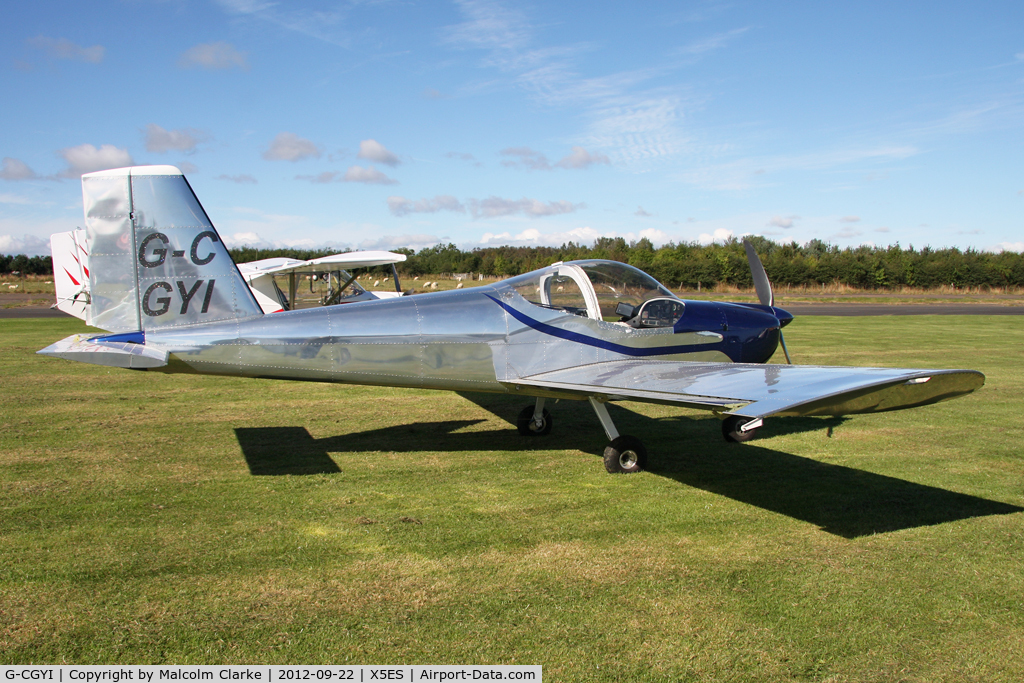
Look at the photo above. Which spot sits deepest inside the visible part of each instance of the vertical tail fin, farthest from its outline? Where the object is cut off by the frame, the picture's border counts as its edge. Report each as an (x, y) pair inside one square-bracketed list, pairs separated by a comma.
[(155, 258)]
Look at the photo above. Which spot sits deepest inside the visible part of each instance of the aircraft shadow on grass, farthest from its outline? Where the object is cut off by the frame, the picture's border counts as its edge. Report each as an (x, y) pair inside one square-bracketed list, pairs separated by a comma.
[(840, 500)]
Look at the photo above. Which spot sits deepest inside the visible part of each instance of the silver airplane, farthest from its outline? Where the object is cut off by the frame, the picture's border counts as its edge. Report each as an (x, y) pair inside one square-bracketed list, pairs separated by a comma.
[(164, 287)]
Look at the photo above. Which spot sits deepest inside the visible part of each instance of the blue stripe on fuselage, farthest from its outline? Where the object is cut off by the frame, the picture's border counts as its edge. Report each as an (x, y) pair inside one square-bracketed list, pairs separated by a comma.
[(601, 343)]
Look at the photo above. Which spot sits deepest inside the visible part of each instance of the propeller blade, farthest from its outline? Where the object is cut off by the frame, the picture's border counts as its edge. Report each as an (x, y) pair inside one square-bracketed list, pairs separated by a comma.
[(761, 284), (763, 288), (782, 342)]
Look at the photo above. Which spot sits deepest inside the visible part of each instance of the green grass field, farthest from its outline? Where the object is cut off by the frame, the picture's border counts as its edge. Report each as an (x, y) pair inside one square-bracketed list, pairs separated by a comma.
[(149, 518)]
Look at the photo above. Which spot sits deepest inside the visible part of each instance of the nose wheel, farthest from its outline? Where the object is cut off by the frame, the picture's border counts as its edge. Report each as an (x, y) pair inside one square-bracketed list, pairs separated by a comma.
[(625, 454)]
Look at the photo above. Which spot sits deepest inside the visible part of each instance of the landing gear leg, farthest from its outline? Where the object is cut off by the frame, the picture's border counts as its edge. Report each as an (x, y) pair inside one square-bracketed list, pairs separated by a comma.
[(534, 420), (625, 454)]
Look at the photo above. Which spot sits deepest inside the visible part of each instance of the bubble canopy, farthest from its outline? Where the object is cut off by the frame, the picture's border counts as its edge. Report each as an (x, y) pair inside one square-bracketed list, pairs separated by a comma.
[(591, 288)]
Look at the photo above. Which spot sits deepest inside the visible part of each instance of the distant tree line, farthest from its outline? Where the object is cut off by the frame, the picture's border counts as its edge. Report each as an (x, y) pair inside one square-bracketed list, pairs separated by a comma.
[(26, 265), (688, 265)]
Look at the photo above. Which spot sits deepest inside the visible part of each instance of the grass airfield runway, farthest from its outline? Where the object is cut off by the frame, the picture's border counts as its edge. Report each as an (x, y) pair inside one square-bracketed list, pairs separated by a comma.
[(149, 518)]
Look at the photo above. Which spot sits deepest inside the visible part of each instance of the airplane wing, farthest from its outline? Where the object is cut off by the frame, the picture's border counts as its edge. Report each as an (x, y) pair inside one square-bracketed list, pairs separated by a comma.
[(346, 261), (755, 391), (359, 259), (271, 266)]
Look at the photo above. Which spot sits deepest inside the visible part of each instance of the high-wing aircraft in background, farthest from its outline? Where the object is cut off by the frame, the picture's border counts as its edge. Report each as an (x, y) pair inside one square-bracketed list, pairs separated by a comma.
[(329, 279), (165, 289), (331, 273)]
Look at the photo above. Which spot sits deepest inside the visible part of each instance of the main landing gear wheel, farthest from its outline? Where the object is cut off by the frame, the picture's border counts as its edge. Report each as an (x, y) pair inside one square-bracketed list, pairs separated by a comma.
[(625, 455), (528, 426), (731, 429)]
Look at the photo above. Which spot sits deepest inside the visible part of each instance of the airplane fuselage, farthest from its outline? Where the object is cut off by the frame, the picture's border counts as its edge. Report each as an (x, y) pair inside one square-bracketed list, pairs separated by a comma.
[(478, 339)]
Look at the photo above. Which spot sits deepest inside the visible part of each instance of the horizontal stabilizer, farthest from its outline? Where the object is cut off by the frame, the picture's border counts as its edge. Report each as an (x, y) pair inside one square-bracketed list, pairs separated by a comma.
[(114, 354)]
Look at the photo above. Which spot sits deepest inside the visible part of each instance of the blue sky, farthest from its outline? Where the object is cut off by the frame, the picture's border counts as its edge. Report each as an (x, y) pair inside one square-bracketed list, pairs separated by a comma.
[(388, 124)]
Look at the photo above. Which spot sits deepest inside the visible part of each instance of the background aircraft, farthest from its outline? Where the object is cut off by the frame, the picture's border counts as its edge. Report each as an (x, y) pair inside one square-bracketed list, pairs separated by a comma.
[(330, 282), (328, 277), (162, 283)]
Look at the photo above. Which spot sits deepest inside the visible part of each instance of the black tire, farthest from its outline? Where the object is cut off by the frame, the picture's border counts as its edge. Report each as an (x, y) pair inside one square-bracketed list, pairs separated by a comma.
[(731, 429), (625, 455), (526, 425)]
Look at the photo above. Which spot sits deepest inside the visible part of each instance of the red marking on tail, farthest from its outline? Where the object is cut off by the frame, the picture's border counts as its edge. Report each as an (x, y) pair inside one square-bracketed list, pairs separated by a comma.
[(72, 277)]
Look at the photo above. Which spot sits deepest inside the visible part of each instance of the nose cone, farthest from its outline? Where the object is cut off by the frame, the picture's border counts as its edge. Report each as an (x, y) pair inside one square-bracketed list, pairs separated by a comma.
[(785, 317), (753, 332)]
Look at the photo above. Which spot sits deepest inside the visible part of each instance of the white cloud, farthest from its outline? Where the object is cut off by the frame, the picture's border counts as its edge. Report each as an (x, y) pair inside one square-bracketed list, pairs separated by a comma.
[(882, 229), (241, 179), (30, 245), (354, 174), (534, 237), (62, 48), (358, 174), (847, 233), (637, 126), (252, 237), (244, 239), (1002, 246), (463, 156), (187, 168), (745, 173), (160, 140), (290, 147), (850, 219), (317, 22), (15, 169), (641, 213), (582, 235), (6, 198), (711, 43), (719, 235), (526, 157), (400, 206), (489, 26), (781, 222), (581, 158), (657, 237), (244, 226), (389, 242), (86, 159), (325, 177), (219, 55), (533, 160), (495, 207), (371, 150)]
